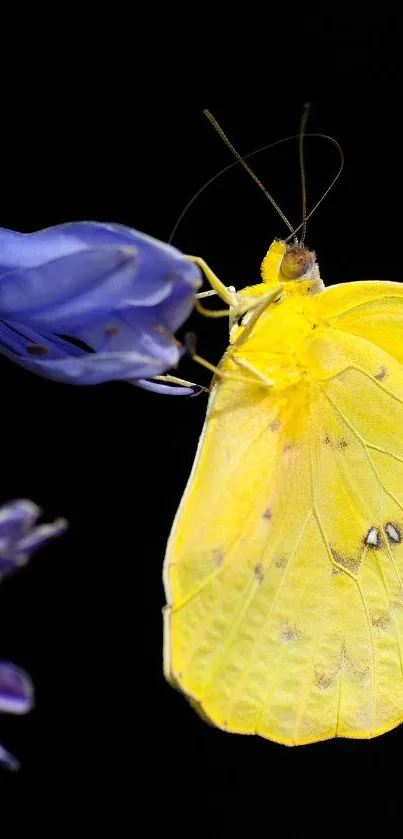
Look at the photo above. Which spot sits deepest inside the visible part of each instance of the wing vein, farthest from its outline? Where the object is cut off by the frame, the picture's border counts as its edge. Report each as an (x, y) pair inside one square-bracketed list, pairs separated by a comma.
[(365, 303), (220, 570), (357, 582), (241, 614), (389, 599), (365, 373), (384, 451), (256, 643)]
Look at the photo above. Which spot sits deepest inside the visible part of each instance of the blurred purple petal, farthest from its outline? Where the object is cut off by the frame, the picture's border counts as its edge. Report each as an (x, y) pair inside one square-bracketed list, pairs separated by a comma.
[(16, 690), (42, 534), (8, 760), (7, 566), (18, 539), (16, 697), (18, 536), (16, 517)]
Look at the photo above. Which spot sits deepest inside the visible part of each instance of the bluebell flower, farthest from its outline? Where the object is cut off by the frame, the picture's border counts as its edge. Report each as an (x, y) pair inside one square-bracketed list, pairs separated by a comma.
[(19, 538), (87, 302)]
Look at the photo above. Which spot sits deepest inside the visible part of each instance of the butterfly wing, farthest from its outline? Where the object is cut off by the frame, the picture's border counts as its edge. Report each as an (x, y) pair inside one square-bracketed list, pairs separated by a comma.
[(285, 564)]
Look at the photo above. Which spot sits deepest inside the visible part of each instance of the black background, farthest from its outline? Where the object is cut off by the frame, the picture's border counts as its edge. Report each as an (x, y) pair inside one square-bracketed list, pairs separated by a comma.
[(107, 125)]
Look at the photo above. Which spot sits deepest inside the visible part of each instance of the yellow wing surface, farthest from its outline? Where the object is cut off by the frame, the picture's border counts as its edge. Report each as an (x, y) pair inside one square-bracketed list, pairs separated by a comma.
[(284, 569)]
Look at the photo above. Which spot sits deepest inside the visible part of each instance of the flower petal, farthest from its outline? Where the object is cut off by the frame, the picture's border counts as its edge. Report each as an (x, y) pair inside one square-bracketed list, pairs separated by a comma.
[(16, 689), (141, 330), (65, 293), (16, 518), (8, 760), (8, 566), (16, 697), (146, 349), (63, 275), (19, 538), (95, 368), (116, 291), (19, 340), (40, 535), (176, 308)]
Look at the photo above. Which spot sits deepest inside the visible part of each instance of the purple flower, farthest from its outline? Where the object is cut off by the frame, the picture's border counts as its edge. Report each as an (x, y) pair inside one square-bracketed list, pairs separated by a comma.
[(87, 302), (19, 538), (16, 697)]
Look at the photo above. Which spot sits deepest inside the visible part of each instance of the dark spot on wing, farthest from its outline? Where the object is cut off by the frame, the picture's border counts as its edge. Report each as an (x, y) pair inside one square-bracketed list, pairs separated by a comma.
[(373, 538), (359, 674), (275, 425), (281, 562), (382, 373), (393, 533), (355, 671), (397, 605), (335, 444), (258, 571), (218, 557), (380, 619), (323, 681), (267, 513), (290, 633), (350, 563)]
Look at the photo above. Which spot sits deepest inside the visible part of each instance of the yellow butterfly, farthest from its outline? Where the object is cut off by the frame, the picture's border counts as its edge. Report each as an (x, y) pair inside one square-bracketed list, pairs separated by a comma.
[(284, 568)]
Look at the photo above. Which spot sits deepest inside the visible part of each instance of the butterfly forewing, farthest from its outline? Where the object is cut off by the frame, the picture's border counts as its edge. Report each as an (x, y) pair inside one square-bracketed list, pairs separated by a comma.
[(284, 567)]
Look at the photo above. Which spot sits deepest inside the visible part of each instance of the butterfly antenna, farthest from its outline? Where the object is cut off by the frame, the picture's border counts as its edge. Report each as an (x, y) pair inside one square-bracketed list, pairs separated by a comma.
[(241, 160), (327, 190), (259, 151), (302, 128)]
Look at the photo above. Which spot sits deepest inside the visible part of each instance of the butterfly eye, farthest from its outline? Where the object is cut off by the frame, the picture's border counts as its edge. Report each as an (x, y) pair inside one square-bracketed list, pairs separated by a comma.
[(296, 261)]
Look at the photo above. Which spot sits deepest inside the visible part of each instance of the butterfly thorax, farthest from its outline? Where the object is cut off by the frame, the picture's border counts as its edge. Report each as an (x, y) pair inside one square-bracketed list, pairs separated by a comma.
[(273, 341), (276, 345)]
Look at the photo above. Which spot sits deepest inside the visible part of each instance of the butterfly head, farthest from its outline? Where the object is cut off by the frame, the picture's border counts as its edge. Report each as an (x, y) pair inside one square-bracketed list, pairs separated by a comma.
[(291, 264), (296, 262)]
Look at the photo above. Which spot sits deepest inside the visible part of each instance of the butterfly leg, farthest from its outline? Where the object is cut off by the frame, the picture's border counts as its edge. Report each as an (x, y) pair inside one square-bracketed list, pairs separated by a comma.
[(256, 373), (224, 374), (227, 295), (174, 380), (166, 385), (213, 293), (191, 348), (255, 307)]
